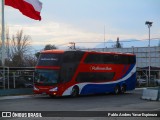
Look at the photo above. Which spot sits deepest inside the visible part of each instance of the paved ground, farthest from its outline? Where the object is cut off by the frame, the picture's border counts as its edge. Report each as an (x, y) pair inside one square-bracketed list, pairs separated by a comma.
[(127, 102)]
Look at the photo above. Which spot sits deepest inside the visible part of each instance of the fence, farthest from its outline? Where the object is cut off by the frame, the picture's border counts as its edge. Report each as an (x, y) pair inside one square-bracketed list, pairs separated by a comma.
[(16, 77)]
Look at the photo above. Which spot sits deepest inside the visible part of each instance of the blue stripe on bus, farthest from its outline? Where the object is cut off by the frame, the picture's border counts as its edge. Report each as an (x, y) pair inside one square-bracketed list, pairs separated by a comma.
[(106, 88), (129, 70)]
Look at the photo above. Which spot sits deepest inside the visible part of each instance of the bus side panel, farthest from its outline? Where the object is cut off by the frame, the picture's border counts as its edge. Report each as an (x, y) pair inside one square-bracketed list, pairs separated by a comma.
[(131, 82), (129, 70), (97, 88), (107, 88)]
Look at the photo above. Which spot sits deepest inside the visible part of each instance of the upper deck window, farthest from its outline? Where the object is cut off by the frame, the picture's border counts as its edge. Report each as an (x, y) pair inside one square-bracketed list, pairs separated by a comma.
[(72, 56), (109, 59)]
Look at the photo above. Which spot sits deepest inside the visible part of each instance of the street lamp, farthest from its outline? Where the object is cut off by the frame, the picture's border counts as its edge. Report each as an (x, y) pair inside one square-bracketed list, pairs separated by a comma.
[(149, 24)]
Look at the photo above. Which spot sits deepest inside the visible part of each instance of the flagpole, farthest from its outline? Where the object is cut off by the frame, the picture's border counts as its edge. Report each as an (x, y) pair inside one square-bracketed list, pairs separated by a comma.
[(3, 43)]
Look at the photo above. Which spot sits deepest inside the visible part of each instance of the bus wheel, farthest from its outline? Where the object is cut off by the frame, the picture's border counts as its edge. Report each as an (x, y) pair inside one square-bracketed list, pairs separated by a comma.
[(123, 89), (75, 91), (116, 89)]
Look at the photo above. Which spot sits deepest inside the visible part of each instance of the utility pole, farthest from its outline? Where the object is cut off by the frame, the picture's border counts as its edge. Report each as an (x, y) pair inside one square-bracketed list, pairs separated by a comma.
[(73, 45), (104, 37), (3, 34), (149, 24), (3, 42)]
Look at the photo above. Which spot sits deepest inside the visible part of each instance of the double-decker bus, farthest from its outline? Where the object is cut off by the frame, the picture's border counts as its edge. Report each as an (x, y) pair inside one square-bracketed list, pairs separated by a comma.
[(61, 73)]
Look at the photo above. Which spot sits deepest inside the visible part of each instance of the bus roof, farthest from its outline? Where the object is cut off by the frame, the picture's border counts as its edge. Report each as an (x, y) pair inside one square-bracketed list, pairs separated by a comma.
[(113, 53), (63, 51), (53, 51)]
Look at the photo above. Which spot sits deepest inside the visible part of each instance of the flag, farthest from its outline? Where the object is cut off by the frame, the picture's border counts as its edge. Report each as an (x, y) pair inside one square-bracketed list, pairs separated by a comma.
[(29, 8)]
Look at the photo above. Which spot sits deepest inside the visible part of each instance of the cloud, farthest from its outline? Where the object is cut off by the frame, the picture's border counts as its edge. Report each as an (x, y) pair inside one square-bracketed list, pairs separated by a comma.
[(57, 33), (54, 33)]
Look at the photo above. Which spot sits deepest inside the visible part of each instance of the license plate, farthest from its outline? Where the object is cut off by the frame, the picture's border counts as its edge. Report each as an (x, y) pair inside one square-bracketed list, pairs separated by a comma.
[(43, 93)]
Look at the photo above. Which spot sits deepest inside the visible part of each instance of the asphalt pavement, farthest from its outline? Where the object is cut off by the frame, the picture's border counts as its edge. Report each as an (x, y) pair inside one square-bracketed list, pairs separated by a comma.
[(130, 101)]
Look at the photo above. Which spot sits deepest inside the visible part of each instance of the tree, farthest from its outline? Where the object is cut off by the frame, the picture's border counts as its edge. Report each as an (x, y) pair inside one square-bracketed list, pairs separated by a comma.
[(47, 47), (50, 47), (19, 49), (37, 54), (30, 61), (20, 43), (118, 44)]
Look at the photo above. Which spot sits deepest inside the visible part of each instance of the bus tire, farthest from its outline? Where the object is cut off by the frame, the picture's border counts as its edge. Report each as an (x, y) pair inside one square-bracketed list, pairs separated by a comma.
[(123, 88), (116, 90), (75, 91)]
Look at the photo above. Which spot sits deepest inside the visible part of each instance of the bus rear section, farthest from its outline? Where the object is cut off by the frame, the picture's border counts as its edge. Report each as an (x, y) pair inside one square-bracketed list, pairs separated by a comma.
[(83, 73)]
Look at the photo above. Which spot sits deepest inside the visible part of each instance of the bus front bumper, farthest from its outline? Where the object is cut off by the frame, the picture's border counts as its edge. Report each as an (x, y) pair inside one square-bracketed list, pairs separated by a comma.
[(46, 91)]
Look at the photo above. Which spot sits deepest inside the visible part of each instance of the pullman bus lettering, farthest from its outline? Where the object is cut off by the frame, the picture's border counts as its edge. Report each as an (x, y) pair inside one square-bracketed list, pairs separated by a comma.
[(100, 68), (61, 73)]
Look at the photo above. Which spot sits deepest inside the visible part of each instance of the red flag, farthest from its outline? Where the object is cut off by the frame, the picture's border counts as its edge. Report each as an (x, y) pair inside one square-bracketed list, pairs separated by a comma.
[(29, 8)]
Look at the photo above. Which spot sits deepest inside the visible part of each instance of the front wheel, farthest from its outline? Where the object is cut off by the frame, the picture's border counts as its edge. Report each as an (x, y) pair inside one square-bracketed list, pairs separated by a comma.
[(75, 91)]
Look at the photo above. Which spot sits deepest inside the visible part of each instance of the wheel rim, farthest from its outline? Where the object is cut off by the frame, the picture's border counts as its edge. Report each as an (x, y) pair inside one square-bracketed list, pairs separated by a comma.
[(74, 92), (123, 89), (116, 90)]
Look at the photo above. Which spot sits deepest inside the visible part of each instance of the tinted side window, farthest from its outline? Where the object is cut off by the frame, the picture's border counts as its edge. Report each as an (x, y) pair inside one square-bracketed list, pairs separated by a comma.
[(109, 59), (132, 59), (94, 58), (94, 77), (70, 63), (72, 56), (122, 59), (67, 72)]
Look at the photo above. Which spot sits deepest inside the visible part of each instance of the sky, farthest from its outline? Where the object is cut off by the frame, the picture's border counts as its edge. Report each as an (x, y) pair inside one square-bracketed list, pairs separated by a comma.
[(65, 21)]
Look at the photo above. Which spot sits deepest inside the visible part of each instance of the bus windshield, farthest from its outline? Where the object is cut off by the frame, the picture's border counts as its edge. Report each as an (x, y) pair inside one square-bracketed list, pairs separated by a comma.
[(47, 77)]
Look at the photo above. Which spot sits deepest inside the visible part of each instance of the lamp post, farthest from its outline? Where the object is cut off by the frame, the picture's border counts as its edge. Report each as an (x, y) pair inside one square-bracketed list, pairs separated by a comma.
[(104, 37), (3, 41), (149, 24)]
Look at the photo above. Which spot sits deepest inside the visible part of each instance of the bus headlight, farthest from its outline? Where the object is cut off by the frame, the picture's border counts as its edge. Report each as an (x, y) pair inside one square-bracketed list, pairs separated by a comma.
[(36, 88), (53, 89)]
